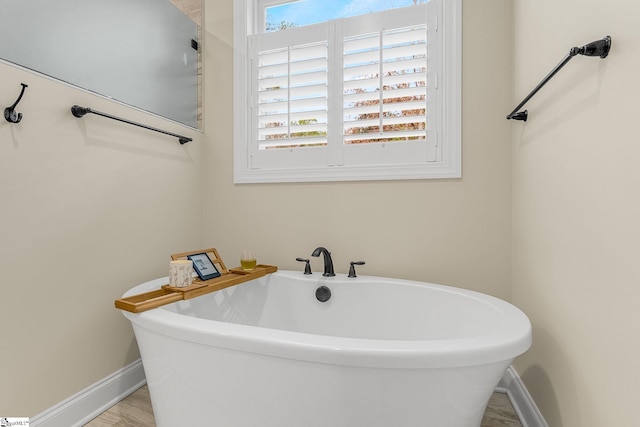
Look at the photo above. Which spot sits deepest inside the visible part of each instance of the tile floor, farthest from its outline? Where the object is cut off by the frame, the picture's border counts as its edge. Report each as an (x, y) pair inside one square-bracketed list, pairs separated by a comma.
[(135, 411)]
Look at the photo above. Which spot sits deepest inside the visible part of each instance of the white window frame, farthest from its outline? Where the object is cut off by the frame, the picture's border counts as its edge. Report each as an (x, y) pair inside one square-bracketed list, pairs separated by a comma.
[(448, 110)]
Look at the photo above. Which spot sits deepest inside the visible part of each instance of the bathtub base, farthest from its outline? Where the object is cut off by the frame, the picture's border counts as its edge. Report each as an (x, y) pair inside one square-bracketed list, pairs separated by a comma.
[(251, 390)]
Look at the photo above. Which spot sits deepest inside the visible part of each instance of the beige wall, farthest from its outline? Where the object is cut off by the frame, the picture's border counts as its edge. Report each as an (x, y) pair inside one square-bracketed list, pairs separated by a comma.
[(86, 211), (448, 231), (88, 208), (576, 211)]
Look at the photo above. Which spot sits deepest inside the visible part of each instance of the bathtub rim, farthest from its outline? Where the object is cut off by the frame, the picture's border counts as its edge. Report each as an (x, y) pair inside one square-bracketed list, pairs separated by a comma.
[(345, 351)]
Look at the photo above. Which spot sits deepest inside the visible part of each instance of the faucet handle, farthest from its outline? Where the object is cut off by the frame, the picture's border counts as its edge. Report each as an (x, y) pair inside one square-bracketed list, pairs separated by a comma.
[(352, 268), (307, 266)]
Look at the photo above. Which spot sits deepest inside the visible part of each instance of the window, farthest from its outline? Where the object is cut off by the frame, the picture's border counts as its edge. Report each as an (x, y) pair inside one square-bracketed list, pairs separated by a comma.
[(364, 97)]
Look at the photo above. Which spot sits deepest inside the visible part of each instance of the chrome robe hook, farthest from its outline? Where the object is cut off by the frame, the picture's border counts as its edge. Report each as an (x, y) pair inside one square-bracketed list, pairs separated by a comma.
[(10, 112)]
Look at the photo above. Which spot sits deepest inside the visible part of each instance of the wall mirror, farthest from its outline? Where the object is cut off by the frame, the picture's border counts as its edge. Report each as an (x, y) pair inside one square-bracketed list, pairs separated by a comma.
[(144, 53)]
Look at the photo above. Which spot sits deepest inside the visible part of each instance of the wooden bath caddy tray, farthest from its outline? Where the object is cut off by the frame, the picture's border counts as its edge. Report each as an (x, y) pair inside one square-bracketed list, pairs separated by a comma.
[(168, 294)]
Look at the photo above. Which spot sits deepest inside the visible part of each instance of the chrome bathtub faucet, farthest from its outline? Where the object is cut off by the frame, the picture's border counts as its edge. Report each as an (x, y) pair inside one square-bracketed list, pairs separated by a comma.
[(328, 262)]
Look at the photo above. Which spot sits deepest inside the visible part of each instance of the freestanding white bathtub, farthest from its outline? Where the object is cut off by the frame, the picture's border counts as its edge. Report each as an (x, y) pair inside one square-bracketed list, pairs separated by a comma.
[(379, 352)]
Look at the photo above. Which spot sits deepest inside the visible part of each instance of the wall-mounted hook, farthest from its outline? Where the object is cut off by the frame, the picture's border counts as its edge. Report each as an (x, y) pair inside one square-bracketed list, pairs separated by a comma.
[(10, 112)]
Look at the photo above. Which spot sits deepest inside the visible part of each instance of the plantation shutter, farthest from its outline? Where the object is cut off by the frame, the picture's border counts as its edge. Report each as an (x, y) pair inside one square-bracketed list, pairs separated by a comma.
[(290, 108), (386, 81), (347, 92), (385, 87)]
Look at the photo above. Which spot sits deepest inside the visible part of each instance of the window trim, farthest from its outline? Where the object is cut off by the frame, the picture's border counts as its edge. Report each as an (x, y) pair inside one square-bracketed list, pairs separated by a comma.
[(449, 126)]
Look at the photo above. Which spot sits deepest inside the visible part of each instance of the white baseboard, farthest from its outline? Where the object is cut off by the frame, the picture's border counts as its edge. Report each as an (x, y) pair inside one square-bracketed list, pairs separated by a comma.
[(94, 400), (525, 407)]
